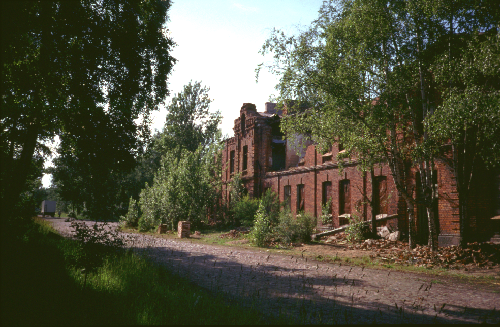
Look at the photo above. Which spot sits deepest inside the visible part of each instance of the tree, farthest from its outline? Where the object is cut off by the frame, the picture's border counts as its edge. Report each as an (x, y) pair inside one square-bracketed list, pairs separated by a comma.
[(371, 76), (83, 70), (187, 181), (469, 118), (189, 122), (364, 71), (183, 188)]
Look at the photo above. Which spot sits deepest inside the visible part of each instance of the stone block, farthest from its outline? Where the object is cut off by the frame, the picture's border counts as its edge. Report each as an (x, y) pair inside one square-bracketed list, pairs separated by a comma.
[(393, 236), (183, 229), (384, 232), (162, 229)]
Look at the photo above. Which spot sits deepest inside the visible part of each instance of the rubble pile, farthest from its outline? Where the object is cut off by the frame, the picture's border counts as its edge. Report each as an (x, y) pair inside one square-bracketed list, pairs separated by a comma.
[(235, 233), (454, 257)]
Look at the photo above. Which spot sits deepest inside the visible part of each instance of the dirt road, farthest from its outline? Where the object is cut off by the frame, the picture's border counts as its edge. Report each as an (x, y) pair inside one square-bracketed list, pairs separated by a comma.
[(316, 292)]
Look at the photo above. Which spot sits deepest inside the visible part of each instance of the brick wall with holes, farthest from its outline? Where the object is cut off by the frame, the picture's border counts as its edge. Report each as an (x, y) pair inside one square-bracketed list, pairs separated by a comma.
[(312, 174)]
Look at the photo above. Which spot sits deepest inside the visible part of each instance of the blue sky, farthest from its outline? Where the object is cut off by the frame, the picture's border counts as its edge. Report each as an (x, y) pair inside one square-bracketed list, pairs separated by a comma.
[(218, 43)]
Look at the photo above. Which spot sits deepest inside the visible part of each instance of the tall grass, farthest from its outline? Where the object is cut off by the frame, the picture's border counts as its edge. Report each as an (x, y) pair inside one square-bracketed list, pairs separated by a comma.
[(40, 287)]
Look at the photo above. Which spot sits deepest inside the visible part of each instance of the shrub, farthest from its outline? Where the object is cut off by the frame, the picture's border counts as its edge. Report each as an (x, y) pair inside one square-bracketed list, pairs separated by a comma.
[(244, 211), (132, 217), (271, 205), (262, 231), (95, 244), (287, 228), (291, 229), (306, 226), (326, 213), (357, 229)]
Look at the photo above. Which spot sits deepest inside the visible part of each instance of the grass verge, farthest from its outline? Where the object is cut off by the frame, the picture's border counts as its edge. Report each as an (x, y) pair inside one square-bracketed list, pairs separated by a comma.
[(40, 287)]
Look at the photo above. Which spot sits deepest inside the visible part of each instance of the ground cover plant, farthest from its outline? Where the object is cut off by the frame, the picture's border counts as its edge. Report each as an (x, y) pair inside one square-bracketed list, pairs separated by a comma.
[(40, 286)]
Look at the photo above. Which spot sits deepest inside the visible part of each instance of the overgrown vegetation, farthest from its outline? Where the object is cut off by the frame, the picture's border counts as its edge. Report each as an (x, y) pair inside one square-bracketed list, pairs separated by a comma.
[(273, 225), (245, 210), (357, 230), (131, 219), (429, 78), (40, 286)]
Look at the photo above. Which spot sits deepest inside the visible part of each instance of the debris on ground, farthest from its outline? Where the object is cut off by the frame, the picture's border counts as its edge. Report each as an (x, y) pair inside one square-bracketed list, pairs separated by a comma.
[(453, 257), (235, 233)]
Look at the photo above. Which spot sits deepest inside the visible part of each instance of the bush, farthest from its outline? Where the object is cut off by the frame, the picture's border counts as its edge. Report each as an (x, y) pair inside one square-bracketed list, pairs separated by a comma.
[(326, 213), (287, 228), (271, 205), (291, 229), (262, 231), (306, 226), (357, 229), (244, 211), (94, 245), (132, 217)]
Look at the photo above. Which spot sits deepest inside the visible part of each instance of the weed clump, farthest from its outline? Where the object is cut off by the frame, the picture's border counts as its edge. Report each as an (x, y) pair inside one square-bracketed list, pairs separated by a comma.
[(262, 229), (245, 210), (133, 214), (357, 230)]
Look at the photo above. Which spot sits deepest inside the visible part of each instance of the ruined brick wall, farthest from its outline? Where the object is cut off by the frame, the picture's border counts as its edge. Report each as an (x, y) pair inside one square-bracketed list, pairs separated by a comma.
[(312, 169)]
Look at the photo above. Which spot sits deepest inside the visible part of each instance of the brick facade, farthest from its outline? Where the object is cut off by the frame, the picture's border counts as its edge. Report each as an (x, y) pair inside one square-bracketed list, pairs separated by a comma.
[(264, 160)]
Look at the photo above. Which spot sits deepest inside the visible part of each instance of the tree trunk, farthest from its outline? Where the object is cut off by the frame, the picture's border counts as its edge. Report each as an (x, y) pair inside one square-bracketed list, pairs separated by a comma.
[(374, 218), (411, 223), (464, 221), (17, 182)]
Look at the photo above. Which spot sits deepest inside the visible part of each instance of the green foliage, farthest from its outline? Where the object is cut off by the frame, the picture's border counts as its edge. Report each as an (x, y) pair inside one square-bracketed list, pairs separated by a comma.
[(183, 189), (469, 116), (133, 214), (95, 244), (306, 226), (271, 204), (326, 212), (90, 74), (126, 289), (236, 189), (244, 211), (368, 74), (186, 183), (262, 229), (357, 230), (189, 123), (287, 228)]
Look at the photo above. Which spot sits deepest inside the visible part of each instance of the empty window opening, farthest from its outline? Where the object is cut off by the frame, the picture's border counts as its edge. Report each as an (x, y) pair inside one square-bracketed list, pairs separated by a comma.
[(231, 162), (380, 198), (344, 197), (287, 191), (278, 155), (245, 157), (327, 197), (300, 198), (327, 192)]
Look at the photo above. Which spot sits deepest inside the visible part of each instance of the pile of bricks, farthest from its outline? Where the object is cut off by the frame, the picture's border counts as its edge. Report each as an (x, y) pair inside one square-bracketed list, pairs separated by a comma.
[(162, 229), (183, 229)]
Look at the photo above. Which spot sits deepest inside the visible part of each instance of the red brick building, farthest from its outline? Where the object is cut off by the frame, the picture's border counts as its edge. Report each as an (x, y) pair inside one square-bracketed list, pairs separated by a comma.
[(265, 160)]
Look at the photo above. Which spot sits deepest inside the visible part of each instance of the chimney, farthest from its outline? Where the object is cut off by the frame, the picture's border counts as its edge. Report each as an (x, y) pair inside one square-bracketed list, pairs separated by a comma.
[(248, 106)]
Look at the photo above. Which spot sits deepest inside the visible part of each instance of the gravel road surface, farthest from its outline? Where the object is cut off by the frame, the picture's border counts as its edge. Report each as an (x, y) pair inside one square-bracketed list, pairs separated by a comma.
[(315, 292)]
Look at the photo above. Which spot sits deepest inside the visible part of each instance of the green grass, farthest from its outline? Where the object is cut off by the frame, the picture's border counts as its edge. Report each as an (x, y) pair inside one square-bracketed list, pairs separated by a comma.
[(40, 287)]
